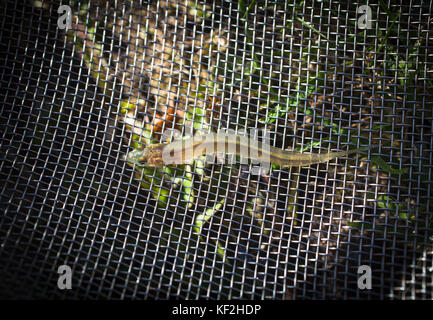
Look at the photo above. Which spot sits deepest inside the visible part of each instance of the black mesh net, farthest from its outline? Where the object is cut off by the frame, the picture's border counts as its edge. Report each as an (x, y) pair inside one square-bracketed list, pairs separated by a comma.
[(316, 76)]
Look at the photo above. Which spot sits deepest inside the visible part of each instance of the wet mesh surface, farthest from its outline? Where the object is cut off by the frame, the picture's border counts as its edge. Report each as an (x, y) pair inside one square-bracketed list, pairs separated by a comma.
[(74, 103)]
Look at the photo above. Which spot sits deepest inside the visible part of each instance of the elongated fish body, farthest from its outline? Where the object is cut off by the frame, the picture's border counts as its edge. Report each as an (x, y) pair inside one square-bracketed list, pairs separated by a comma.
[(185, 151)]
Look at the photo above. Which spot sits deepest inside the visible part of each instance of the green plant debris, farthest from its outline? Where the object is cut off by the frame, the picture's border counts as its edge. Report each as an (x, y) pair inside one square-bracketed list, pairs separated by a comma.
[(388, 32), (242, 5), (126, 107), (203, 218), (146, 177), (308, 146), (399, 209), (197, 9), (221, 251), (187, 187), (399, 231), (254, 65), (160, 194), (308, 25), (384, 7), (91, 51), (197, 116), (200, 165)]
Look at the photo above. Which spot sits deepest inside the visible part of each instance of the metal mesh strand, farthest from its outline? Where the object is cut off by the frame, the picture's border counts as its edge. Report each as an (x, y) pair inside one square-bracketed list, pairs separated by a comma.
[(75, 103)]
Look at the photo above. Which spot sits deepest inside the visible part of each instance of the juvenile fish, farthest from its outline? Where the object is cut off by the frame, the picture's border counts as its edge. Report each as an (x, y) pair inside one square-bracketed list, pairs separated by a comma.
[(185, 151)]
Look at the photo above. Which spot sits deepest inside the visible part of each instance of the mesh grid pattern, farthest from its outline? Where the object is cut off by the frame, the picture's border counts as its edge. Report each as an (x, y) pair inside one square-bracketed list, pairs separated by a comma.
[(74, 103)]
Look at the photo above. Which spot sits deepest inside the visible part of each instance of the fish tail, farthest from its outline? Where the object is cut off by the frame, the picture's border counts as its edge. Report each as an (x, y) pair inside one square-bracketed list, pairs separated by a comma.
[(339, 154), (315, 158)]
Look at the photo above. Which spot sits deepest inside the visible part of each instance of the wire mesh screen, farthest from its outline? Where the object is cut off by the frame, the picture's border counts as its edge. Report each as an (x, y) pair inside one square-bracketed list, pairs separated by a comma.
[(86, 83)]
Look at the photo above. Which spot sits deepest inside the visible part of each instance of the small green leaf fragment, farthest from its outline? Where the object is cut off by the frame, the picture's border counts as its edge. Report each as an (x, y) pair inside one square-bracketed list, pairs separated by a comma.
[(202, 218), (199, 166), (221, 251), (125, 107)]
